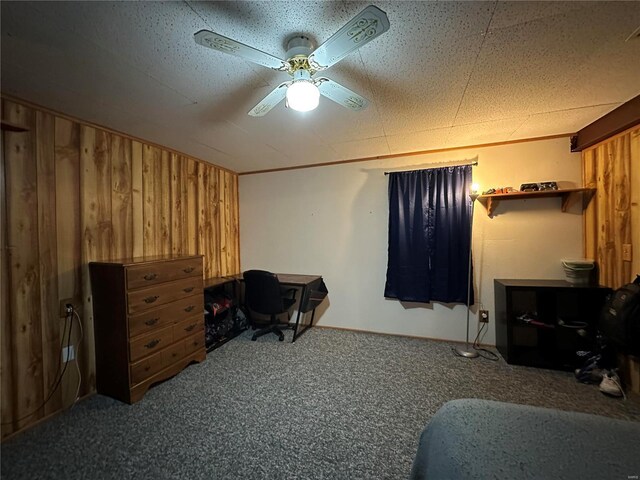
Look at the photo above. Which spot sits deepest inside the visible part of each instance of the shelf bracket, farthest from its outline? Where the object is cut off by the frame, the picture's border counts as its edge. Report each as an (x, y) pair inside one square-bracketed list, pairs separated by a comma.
[(567, 199), (489, 203), (491, 206), (570, 197)]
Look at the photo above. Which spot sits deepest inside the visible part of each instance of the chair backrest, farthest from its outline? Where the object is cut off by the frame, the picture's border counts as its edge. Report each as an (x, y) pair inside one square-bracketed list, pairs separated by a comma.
[(262, 292)]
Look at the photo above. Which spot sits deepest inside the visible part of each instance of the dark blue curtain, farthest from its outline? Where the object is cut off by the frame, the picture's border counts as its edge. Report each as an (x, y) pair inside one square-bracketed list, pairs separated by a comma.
[(429, 223)]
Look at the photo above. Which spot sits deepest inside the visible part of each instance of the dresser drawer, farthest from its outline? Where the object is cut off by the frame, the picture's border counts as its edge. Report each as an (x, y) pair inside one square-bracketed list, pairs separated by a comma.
[(146, 367), (188, 327), (159, 272), (177, 311), (194, 343), (143, 299), (172, 354), (145, 345)]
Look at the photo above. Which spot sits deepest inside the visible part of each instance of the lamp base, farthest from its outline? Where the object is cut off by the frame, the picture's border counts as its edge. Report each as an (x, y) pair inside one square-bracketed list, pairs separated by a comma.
[(465, 353)]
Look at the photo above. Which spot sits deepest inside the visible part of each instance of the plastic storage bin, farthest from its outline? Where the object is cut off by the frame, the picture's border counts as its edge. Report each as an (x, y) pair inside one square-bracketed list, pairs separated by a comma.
[(578, 270)]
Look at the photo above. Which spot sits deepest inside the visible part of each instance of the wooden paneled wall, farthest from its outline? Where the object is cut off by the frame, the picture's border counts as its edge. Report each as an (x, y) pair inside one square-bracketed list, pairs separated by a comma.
[(73, 193), (612, 219)]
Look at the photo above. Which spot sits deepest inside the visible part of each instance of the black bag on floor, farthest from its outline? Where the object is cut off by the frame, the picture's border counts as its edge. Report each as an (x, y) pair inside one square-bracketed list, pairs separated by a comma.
[(620, 318)]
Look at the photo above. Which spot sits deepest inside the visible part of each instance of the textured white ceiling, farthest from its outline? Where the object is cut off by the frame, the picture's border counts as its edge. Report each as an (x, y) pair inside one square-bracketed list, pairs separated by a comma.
[(446, 74)]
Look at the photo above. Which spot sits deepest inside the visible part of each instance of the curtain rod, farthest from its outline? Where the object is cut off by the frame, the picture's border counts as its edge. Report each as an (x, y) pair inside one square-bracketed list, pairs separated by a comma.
[(453, 164)]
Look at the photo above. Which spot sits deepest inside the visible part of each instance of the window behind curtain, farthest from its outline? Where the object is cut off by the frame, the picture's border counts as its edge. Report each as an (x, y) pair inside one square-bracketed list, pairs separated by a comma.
[(429, 223)]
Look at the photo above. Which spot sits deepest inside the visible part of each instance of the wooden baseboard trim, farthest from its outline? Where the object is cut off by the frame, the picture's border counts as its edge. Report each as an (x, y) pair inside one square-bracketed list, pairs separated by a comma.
[(416, 337), (45, 418)]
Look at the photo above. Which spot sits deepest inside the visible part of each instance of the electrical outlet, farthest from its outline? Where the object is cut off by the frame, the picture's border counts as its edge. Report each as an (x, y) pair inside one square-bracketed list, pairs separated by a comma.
[(626, 252), (63, 306), (483, 316), (68, 354)]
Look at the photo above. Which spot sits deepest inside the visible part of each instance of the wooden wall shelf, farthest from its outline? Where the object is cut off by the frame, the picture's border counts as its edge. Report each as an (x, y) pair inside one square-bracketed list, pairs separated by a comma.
[(568, 196), (12, 127)]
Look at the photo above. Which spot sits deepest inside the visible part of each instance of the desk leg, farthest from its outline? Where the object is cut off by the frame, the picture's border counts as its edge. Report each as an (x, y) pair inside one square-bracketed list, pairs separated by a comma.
[(307, 327), (295, 328)]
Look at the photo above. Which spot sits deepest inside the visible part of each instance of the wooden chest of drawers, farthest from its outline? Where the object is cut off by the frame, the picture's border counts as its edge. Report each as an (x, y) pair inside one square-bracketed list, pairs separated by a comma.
[(148, 321)]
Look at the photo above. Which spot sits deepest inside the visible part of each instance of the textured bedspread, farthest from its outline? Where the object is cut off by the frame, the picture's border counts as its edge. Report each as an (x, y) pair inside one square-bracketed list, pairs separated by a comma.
[(473, 439)]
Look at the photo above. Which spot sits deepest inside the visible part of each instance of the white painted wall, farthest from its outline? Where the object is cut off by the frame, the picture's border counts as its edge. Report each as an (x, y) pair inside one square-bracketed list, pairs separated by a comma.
[(332, 221)]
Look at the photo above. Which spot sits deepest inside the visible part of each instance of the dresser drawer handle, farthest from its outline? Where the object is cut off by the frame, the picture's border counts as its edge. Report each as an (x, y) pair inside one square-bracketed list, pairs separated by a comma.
[(151, 299), (189, 308), (152, 343), (151, 321), (187, 290), (188, 270), (151, 276), (190, 327)]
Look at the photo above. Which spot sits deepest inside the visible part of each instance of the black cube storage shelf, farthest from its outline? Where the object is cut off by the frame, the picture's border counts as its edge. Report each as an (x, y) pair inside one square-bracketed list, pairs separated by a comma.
[(226, 322), (543, 323)]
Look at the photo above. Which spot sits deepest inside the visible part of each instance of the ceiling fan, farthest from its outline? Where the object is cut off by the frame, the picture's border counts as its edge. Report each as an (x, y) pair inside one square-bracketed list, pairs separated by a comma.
[(303, 62)]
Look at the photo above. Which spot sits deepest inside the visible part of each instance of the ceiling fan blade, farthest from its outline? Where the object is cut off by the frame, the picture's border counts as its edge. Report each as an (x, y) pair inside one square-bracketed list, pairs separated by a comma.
[(267, 103), (226, 45), (360, 30), (341, 95)]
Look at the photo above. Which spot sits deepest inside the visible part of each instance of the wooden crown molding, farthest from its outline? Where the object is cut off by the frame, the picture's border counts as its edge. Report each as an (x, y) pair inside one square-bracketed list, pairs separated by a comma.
[(408, 154)]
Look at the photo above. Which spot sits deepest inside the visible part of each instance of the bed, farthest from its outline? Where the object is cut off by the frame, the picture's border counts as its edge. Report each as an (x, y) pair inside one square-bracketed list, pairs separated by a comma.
[(473, 439)]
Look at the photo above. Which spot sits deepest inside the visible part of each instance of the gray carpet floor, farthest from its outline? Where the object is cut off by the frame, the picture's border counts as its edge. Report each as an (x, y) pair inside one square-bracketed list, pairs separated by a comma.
[(333, 405)]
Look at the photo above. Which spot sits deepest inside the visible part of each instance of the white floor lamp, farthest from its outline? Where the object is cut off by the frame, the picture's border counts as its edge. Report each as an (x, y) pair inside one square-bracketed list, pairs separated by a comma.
[(468, 352)]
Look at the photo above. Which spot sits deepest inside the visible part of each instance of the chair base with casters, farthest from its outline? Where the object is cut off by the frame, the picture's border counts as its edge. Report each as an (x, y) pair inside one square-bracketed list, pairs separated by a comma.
[(274, 327)]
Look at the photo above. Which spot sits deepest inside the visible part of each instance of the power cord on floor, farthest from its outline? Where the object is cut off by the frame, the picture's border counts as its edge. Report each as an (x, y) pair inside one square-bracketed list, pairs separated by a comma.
[(489, 355), (77, 397), (68, 323)]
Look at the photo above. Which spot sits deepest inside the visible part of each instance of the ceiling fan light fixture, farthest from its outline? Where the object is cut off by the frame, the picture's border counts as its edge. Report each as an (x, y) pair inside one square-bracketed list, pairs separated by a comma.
[(302, 94)]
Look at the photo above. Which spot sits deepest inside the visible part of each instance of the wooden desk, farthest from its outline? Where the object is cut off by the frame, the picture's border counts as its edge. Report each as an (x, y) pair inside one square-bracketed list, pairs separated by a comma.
[(313, 292), (219, 281)]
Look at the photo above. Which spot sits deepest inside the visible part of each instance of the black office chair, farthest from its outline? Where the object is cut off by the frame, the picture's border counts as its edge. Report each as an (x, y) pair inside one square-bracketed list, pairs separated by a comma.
[(264, 295)]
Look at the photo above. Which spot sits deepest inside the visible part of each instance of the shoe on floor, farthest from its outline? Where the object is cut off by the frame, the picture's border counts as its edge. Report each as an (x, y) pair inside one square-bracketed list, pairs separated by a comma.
[(610, 384), (593, 376)]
